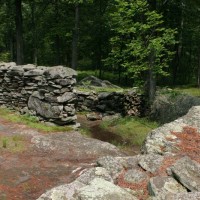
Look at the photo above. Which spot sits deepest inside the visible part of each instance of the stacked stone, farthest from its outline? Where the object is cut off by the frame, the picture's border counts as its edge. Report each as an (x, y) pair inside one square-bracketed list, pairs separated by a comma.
[(133, 104), (54, 100), (110, 102), (44, 91), (86, 101)]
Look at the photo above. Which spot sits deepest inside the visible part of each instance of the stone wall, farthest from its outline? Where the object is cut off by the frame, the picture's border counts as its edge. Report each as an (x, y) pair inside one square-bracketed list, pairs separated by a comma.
[(126, 103), (43, 91)]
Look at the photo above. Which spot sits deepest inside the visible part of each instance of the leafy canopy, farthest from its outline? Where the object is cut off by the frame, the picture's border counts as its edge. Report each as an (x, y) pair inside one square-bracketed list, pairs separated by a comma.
[(139, 35)]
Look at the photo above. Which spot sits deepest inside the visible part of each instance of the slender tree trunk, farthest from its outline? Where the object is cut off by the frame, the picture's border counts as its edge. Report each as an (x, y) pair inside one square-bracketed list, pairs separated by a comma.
[(179, 48), (57, 37), (151, 79), (75, 39), (35, 49), (19, 32), (198, 78)]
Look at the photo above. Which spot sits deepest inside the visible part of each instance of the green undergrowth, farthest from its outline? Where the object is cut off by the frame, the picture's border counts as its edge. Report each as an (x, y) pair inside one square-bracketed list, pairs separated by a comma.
[(193, 91), (13, 144), (31, 121), (133, 130)]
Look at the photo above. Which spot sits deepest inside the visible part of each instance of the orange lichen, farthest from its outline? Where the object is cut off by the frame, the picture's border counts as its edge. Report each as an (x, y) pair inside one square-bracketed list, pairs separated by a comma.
[(140, 187), (189, 143)]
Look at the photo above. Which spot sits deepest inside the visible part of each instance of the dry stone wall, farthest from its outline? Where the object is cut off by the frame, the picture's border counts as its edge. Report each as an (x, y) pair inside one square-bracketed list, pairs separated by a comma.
[(126, 103), (43, 91)]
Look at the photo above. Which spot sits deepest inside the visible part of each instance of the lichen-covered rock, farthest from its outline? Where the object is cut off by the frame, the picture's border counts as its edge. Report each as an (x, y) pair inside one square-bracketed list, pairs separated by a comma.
[(187, 172), (97, 172), (60, 72), (151, 162), (73, 145), (135, 176), (167, 108), (184, 196), (162, 186), (161, 140), (63, 192), (111, 164), (99, 189)]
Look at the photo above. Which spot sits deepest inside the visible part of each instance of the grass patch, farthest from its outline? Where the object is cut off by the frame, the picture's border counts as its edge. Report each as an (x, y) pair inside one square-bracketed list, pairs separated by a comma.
[(85, 131), (14, 143), (31, 121), (193, 91), (131, 129)]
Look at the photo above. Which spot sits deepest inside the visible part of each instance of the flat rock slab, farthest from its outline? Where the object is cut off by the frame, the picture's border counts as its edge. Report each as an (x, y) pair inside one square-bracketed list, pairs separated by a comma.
[(151, 162), (161, 186), (62, 192), (99, 189), (135, 176), (184, 196), (73, 145), (187, 172)]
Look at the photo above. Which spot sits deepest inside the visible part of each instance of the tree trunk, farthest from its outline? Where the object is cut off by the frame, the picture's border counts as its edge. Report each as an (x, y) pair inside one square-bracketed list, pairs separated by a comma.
[(19, 32), (151, 79), (179, 48), (35, 49), (198, 78), (75, 39)]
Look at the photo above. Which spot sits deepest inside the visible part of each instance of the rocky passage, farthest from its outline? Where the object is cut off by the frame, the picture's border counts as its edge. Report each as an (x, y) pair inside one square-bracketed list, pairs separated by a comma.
[(168, 169)]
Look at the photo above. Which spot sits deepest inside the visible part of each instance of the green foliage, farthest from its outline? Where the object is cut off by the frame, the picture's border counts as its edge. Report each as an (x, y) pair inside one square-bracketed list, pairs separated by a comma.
[(131, 129), (5, 57), (139, 36)]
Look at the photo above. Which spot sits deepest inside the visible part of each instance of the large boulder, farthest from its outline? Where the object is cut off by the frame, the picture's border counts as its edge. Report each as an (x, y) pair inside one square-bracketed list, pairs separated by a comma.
[(74, 146), (162, 140), (44, 109), (99, 189), (187, 172), (168, 107), (60, 72)]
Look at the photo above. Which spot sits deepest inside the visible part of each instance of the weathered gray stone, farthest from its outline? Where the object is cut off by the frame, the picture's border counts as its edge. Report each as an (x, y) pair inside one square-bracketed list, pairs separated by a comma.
[(161, 186), (60, 72), (63, 192), (187, 172), (66, 97), (157, 140), (73, 142), (151, 162), (184, 196), (44, 109), (93, 116), (111, 164), (100, 189), (135, 176), (168, 107), (38, 94), (97, 172), (65, 82), (34, 72)]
